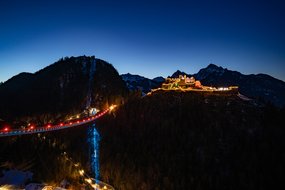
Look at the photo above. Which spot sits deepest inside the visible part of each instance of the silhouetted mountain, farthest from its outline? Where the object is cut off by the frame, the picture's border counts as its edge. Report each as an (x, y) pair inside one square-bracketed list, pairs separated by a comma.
[(178, 72), (210, 69), (255, 86), (136, 82), (69, 85), (159, 79), (261, 86)]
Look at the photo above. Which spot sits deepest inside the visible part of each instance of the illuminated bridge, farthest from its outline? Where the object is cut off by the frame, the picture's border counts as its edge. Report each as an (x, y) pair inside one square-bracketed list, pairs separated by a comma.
[(49, 127)]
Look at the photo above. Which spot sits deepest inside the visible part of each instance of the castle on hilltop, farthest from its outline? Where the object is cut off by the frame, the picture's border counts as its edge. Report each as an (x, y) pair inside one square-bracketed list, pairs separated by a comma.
[(181, 82), (185, 83)]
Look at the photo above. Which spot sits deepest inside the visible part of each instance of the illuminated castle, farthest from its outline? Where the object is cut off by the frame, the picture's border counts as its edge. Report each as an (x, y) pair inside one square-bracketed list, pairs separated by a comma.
[(185, 83), (182, 82)]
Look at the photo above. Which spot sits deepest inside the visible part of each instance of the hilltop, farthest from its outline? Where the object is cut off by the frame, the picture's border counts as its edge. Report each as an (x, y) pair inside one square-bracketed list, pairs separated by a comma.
[(68, 86), (261, 87)]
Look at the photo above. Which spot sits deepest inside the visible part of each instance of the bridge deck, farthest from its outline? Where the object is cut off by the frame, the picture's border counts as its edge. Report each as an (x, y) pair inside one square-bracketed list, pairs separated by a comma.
[(15, 132)]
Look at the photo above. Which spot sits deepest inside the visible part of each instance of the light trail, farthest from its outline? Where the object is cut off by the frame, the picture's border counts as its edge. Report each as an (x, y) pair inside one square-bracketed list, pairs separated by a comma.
[(94, 183), (49, 127)]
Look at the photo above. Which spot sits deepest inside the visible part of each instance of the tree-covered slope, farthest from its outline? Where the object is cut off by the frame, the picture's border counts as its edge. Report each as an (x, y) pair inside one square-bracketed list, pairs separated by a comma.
[(174, 140), (68, 86)]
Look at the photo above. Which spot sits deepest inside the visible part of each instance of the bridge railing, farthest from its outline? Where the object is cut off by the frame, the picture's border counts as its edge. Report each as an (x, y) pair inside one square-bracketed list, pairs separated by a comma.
[(49, 127)]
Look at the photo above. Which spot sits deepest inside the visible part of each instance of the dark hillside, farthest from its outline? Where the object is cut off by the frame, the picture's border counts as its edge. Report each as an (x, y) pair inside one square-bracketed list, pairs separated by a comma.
[(66, 87), (174, 140)]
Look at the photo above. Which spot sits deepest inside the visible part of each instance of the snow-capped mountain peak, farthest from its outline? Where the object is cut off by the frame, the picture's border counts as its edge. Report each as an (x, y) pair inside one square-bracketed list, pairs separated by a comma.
[(137, 82)]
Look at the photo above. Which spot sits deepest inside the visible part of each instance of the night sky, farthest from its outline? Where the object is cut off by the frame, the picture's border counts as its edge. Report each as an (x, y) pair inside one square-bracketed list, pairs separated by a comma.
[(145, 37)]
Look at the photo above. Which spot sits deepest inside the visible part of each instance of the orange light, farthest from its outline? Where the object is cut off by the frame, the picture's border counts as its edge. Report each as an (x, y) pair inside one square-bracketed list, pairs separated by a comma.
[(112, 107), (6, 129), (32, 127), (48, 126), (88, 180), (81, 172)]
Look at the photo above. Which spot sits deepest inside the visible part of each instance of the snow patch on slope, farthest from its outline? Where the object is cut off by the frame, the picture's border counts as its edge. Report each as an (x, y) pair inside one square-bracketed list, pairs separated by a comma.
[(15, 177)]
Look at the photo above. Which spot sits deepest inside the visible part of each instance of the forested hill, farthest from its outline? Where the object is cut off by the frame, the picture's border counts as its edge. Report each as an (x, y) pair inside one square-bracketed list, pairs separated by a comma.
[(176, 140), (68, 86)]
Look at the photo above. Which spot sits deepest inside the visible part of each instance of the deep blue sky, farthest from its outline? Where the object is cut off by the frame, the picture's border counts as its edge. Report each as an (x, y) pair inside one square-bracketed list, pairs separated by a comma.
[(146, 37)]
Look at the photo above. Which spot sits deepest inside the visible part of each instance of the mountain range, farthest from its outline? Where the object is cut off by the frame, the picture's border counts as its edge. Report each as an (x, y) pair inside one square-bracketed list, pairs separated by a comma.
[(262, 87), (136, 82), (73, 84), (168, 140)]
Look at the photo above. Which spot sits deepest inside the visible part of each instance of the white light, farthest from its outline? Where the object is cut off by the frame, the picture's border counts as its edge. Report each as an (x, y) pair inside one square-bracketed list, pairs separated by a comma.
[(81, 172), (88, 180), (95, 186), (112, 107)]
